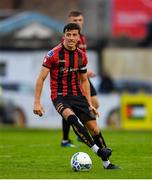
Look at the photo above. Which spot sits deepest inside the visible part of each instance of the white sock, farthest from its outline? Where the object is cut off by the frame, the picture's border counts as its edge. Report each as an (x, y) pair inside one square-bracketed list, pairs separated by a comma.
[(65, 141), (95, 148), (106, 163)]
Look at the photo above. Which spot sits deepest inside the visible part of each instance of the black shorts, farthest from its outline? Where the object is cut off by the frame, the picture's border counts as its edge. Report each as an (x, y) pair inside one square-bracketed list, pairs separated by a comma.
[(78, 104), (93, 91)]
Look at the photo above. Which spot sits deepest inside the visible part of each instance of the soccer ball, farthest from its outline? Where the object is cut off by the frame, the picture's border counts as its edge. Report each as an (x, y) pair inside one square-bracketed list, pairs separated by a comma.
[(81, 161)]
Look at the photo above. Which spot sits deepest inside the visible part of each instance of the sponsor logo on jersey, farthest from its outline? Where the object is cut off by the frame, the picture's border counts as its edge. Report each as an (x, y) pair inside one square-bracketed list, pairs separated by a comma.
[(70, 69), (61, 60)]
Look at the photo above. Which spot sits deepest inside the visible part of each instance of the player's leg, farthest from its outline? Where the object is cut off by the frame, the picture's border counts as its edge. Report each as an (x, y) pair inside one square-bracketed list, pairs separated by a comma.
[(81, 131), (96, 133), (77, 126), (97, 136), (66, 142), (64, 108), (99, 140), (65, 129), (86, 116), (60, 106)]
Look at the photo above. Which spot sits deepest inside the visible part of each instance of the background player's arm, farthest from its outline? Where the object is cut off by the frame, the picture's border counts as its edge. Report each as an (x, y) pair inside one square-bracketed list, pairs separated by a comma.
[(38, 109)]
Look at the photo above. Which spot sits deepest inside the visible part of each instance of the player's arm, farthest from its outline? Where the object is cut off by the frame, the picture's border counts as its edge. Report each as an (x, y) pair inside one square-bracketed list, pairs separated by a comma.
[(85, 86), (86, 89), (38, 109)]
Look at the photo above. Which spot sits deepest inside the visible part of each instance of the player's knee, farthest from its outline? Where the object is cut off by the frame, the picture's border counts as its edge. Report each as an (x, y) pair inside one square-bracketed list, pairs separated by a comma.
[(72, 119), (94, 131)]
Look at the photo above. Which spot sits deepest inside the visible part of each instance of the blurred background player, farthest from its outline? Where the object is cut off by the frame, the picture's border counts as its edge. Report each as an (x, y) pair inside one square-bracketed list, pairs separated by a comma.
[(78, 18)]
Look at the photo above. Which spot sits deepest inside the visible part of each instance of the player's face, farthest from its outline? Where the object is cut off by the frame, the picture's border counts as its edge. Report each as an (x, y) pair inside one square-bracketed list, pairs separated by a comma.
[(71, 39), (78, 20)]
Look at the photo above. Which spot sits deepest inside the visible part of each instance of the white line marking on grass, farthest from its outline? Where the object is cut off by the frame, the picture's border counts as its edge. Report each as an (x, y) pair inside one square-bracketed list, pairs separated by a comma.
[(5, 156), (7, 146), (39, 145)]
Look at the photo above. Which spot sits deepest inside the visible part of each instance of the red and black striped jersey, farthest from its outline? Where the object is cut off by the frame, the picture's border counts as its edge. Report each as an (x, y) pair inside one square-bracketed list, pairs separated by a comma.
[(65, 67), (82, 43)]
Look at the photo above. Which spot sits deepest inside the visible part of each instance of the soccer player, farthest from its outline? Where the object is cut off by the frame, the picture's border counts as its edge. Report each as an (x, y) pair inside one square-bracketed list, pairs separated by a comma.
[(66, 65), (78, 18)]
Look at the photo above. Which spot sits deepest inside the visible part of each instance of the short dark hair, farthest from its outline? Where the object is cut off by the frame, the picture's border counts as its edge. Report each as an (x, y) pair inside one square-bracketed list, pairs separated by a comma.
[(71, 26), (75, 13)]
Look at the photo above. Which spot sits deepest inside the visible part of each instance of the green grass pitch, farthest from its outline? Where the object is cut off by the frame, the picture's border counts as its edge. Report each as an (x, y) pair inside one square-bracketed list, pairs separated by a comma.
[(36, 153)]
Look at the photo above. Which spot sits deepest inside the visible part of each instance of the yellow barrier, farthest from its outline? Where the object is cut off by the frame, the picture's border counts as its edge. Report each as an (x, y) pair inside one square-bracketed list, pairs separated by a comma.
[(136, 111)]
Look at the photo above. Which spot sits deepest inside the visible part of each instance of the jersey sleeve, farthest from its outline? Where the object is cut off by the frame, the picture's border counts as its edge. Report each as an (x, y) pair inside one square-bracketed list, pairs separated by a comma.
[(48, 59), (83, 68)]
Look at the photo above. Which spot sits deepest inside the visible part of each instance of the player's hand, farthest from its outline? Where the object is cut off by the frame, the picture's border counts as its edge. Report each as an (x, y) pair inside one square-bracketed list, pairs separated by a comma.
[(90, 73), (38, 110), (94, 110)]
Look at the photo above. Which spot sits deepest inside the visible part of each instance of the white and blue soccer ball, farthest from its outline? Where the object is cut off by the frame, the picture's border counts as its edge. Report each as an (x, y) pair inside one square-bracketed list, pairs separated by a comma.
[(81, 161)]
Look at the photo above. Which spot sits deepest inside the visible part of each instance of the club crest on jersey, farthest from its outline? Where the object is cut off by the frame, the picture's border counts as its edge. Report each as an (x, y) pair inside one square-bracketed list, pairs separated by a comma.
[(50, 53)]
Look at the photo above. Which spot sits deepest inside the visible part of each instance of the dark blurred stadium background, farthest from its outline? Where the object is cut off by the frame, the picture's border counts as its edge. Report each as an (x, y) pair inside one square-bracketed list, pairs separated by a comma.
[(119, 37)]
